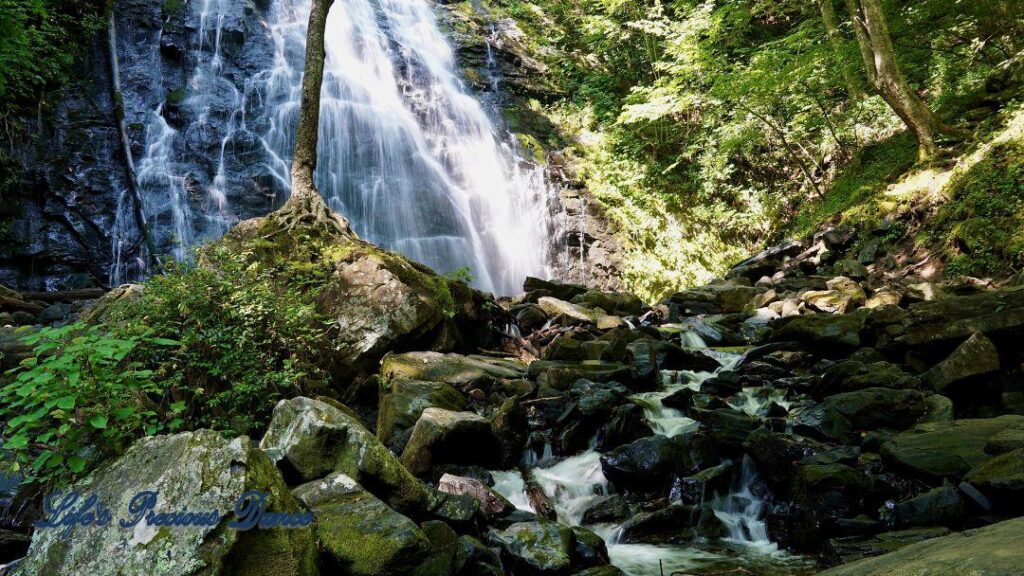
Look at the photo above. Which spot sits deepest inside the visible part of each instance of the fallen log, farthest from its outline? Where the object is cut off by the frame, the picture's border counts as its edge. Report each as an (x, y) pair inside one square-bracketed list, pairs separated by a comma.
[(65, 295), (538, 498)]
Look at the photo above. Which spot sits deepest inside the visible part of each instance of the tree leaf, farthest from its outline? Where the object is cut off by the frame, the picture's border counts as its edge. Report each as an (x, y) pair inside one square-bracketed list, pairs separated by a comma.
[(98, 421)]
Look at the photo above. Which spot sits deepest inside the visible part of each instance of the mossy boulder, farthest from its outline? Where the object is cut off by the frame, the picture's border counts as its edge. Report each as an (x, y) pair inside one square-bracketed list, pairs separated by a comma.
[(405, 400), (358, 533), (614, 303), (447, 437), (462, 372), (941, 451), (310, 439), (199, 471), (990, 551), (536, 548), (870, 409), (377, 300), (974, 358), (1001, 479), (830, 335)]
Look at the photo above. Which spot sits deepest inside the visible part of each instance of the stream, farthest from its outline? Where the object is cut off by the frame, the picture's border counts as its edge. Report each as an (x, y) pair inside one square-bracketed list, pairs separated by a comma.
[(571, 483)]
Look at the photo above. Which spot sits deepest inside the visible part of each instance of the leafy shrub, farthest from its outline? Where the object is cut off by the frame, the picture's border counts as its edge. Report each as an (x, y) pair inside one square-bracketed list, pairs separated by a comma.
[(212, 346), (81, 397), (243, 345)]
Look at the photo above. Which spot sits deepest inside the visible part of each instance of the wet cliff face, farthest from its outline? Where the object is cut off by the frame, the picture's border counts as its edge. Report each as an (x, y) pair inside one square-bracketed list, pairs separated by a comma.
[(194, 94), (74, 171)]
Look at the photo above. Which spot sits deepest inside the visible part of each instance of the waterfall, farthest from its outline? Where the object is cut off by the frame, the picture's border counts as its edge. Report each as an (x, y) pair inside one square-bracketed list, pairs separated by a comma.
[(407, 152)]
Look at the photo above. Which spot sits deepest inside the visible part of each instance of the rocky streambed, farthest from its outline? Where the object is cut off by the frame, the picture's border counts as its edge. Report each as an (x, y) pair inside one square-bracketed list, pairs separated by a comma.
[(802, 413)]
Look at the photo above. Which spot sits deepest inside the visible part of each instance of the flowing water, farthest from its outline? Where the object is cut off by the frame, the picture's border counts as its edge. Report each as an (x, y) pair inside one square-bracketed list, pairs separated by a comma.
[(571, 483), (407, 152)]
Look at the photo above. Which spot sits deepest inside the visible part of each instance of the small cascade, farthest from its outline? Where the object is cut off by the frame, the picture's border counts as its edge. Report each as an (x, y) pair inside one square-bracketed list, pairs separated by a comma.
[(742, 510), (571, 483)]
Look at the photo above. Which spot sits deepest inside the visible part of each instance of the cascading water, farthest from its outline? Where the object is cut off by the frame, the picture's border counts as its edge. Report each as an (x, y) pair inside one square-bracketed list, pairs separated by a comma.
[(571, 483), (406, 152)]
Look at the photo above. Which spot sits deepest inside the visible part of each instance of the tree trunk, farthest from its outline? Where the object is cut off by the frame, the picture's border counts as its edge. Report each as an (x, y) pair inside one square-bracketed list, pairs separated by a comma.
[(888, 79), (835, 39), (122, 132), (305, 204)]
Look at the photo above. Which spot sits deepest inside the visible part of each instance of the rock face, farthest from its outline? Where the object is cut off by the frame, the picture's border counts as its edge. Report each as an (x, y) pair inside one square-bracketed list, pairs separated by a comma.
[(993, 551), (76, 175), (198, 471), (444, 436)]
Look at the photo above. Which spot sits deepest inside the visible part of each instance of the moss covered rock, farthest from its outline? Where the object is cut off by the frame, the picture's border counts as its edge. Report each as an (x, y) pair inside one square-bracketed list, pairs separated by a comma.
[(536, 548), (447, 437), (405, 400), (311, 439), (462, 372), (1001, 479), (199, 471), (990, 551), (358, 533), (946, 450), (377, 300)]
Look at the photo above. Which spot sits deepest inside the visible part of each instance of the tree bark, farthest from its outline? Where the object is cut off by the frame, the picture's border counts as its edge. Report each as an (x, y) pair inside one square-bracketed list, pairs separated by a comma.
[(306, 204), (835, 39), (122, 132), (885, 74)]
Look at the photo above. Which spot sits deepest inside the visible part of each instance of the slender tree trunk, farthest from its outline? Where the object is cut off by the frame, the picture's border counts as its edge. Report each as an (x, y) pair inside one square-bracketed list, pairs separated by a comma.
[(122, 131), (835, 39), (887, 78), (306, 204)]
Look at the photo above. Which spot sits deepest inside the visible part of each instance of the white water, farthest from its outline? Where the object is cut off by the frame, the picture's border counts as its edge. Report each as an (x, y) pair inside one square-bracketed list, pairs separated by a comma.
[(406, 152), (575, 481)]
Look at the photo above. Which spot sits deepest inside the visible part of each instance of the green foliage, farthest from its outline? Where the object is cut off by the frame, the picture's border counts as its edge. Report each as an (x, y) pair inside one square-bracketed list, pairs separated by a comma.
[(243, 342), (39, 42), (83, 396), (463, 274), (732, 123), (982, 225)]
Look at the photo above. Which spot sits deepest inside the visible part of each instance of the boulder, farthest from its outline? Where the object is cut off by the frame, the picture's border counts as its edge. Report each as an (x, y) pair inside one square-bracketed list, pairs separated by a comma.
[(611, 509), (101, 310), (712, 299), (561, 376), (1001, 480), (536, 288), (492, 504), (998, 315), (447, 437), (936, 452), (992, 551), (975, 357), (870, 409), (884, 297), (567, 313), (661, 525), (479, 559), (536, 548), (777, 456), (614, 303), (462, 372), (378, 300), (202, 472), (827, 334), (938, 507), (842, 296), (406, 399), (310, 439), (727, 427), (1005, 441), (648, 464), (851, 375), (835, 490), (358, 533)]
